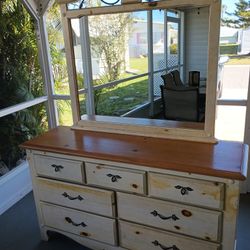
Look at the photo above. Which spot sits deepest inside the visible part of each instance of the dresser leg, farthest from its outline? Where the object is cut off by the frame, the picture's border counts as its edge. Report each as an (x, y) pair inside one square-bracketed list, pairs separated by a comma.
[(44, 234)]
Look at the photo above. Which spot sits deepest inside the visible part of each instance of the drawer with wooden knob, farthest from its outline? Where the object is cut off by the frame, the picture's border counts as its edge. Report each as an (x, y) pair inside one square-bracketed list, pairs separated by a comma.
[(84, 198), (115, 177), (193, 191), (80, 223), (189, 220), (137, 237), (59, 168)]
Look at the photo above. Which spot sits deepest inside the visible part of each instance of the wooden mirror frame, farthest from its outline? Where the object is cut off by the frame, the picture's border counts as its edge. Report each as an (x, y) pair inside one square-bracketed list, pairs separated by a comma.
[(138, 126)]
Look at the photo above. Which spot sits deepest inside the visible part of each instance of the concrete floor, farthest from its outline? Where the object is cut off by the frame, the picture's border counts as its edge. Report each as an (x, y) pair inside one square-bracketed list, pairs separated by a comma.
[(19, 229)]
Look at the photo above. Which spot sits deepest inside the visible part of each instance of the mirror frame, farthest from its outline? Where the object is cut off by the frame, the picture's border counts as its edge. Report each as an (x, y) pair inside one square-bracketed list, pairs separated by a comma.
[(139, 126)]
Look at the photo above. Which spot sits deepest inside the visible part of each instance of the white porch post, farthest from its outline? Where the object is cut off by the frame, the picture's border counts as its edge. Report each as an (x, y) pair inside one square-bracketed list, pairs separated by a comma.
[(32, 8), (150, 62), (165, 42), (182, 45), (37, 10), (246, 186), (44, 54), (71, 67), (44, 5), (87, 66)]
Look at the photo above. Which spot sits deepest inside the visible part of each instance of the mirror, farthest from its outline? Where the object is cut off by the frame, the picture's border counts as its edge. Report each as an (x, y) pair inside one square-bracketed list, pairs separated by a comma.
[(152, 65)]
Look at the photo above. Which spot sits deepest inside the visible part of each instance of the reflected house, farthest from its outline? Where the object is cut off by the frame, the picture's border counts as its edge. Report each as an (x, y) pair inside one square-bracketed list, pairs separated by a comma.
[(137, 45), (238, 37), (229, 35)]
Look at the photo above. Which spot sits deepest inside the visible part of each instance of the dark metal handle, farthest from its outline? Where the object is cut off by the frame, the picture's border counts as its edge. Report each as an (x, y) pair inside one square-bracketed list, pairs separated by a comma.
[(184, 190), (57, 167), (113, 177), (75, 224), (157, 243), (173, 216), (79, 197)]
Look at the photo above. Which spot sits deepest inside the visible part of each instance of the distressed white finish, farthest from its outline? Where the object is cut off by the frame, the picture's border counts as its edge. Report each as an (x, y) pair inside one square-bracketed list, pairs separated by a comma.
[(139, 237), (68, 170), (203, 193), (215, 226), (91, 199), (126, 180), (93, 226), (202, 223)]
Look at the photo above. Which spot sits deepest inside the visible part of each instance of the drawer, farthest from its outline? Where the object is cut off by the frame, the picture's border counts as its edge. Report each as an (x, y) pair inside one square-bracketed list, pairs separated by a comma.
[(193, 221), (76, 196), (138, 237), (115, 177), (198, 192), (80, 223), (59, 168)]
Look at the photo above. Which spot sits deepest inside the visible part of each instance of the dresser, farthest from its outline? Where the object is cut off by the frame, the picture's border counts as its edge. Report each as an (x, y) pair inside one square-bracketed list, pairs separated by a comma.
[(110, 191)]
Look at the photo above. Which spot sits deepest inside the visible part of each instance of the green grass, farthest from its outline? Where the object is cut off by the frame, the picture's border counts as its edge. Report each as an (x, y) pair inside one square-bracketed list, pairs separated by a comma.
[(65, 113), (140, 64), (113, 101), (240, 60)]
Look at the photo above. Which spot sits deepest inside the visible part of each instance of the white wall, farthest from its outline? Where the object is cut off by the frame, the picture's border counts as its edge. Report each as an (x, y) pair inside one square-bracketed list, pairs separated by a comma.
[(14, 186), (196, 40)]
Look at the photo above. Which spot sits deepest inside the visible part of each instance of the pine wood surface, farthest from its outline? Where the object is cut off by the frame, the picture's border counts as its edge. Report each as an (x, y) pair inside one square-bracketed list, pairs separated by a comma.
[(224, 159)]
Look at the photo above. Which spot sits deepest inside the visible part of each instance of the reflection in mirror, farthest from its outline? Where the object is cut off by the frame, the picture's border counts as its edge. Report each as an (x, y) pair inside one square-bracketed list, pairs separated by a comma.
[(148, 64)]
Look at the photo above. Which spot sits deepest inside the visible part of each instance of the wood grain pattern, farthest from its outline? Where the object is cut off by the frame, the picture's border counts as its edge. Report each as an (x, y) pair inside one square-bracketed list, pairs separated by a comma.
[(197, 192), (143, 122), (85, 198), (58, 168), (91, 226), (139, 237), (116, 178), (223, 159), (170, 216)]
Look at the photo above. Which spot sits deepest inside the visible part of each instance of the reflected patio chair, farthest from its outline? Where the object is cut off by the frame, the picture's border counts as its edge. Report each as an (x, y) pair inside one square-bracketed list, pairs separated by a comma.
[(180, 103), (168, 80), (177, 78)]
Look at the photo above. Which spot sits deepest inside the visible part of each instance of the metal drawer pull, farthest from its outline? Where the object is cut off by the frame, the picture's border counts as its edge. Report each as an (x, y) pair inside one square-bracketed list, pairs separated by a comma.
[(79, 197), (57, 167), (75, 224), (156, 243), (114, 178), (184, 190), (173, 216)]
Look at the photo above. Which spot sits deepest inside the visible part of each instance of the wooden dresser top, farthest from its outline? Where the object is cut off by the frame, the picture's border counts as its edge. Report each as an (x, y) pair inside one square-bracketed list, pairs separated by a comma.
[(224, 159)]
